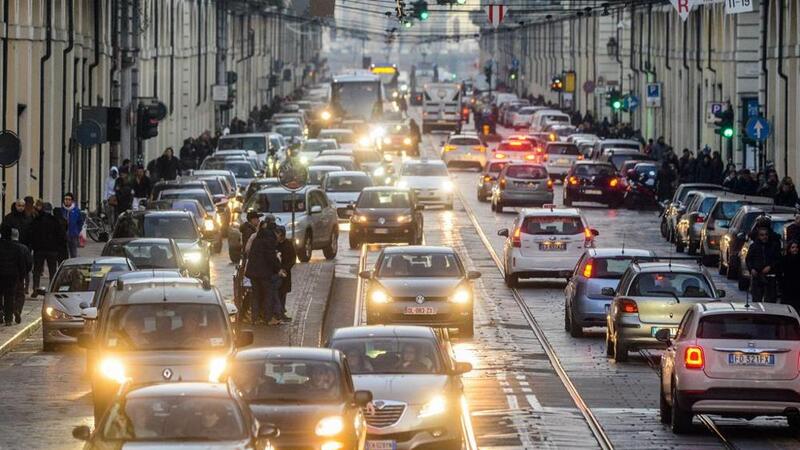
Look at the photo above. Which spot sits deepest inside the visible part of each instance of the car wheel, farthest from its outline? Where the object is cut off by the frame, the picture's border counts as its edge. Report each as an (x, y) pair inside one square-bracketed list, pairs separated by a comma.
[(733, 270), (512, 280), (307, 249), (615, 204), (664, 231), (707, 260), (722, 270), (609, 345), (794, 422), (491, 205), (567, 200), (691, 249), (333, 248), (665, 411), (467, 330), (679, 247), (448, 207), (566, 318), (620, 351), (499, 208), (575, 329), (48, 347), (99, 410), (680, 418), (743, 283), (481, 198)]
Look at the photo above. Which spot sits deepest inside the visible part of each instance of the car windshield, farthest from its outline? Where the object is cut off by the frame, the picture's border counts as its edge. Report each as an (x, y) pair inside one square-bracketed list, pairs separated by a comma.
[(289, 380), (288, 130), (563, 149), (168, 227), (201, 197), (496, 167), (275, 202), (526, 172), (593, 170), (384, 199), (342, 137), (240, 169), (367, 156), (424, 170), (166, 326), (343, 162), (390, 355), (347, 183), (255, 143), (84, 277), (399, 128), (516, 146), (464, 141), (619, 160), (669, 284), (436, 265), (317, 174), (611, 267), (191, 206), (174, 418), (146, 255), (726, 210), (553, 225), (708, 202), (316, 146), (215, 186), (742, 326)]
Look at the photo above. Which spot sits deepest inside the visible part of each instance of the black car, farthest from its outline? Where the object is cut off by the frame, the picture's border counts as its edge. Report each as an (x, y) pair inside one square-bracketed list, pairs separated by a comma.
[(593, 181), (307, 393), (386, 214), (146, 253), (736, 236)]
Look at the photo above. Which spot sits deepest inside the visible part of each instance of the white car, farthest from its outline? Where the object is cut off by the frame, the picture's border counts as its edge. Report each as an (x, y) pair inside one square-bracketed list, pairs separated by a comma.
[(559, 157), (464, 151), (344, 137), (429, 180), (731, 359), (343, 189), (521, 119), (545, 243)]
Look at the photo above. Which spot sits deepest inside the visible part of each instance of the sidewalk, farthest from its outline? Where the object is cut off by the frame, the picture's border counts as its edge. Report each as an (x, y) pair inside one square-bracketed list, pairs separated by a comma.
[(32, 310)]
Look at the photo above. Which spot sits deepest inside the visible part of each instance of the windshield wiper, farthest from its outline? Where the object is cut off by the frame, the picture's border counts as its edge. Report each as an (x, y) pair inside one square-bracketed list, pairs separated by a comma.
[(670, 293)]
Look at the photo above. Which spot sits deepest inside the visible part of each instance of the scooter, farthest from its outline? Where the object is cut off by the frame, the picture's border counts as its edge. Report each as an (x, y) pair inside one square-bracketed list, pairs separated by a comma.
[(641, 194)]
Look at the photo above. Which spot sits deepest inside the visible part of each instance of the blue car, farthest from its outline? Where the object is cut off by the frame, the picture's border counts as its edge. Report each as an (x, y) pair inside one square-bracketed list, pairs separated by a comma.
[(598, 268)]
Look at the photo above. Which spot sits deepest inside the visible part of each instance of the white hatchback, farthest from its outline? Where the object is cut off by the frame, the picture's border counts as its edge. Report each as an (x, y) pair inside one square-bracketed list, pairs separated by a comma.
[(429, 180), (732, 359), (464, 151), (545, 243)]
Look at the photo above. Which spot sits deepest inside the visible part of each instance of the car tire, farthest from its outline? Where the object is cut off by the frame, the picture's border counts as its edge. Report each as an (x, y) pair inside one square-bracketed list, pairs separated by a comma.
[(512, 280), (794, 422), (481, 198), (679, 247), (620, 351), (467, 330), (354, 244), (691, 249), (575, 329), (722, 270), (491, 206), (448, 207), (743, 284), (304, 252), (706, 260), (664, 231), (499, 208), (680, 418), (332, 248), (733, 271), (664, 410), (98, 410), (609, 345)]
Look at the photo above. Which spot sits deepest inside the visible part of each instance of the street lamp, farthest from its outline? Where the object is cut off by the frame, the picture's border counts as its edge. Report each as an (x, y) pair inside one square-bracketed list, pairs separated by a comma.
[(612, 46)]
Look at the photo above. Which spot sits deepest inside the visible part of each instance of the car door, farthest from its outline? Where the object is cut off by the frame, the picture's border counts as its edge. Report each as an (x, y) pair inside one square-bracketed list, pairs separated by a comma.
[(315, 220), (328, 216)]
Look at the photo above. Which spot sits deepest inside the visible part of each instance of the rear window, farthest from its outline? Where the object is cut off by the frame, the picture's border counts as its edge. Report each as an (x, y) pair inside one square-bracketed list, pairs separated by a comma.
[(571, 150), (726, 210), (611, 268), (593, 170), (526, 172), (705, 207), (516, 146), (749, 326), (670, 284), (496, 167), (464, 141), (552, 226)]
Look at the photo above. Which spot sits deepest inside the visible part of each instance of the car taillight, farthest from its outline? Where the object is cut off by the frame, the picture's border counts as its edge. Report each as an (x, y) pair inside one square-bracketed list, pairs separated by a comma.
[(449, 148), (573, 181), (693, 357), (516, 241), (502, 183), (580, 157), (549, 184), (628, 306), (479, 148), (487, 178), (613, 183), (588, 269), (544, 158), (530, 157), (500, 155), (700, 218)]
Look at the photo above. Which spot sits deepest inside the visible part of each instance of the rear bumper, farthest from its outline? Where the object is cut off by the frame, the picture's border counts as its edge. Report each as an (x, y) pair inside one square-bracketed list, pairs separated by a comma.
[(605, 196), (735, 400), (590, 311), (534, 198), (542, 266), (637, 335)]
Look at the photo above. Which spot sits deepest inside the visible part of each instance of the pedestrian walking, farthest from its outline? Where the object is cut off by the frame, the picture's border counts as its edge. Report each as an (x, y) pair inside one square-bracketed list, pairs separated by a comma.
[(30, 208), (657, 150), (762, 259), (789, 270), (288, 257), (665, 177), (686, 166), (48, 239), (770, 186), (17, 219), (188, 155), (704, 170), (262, 270), (793, 230), (717, 168), (12, 271), (123, 194), (249, 228), (141, 187), (22, 284), (74, 218), (109, 196), (167, 165), (787, 194)]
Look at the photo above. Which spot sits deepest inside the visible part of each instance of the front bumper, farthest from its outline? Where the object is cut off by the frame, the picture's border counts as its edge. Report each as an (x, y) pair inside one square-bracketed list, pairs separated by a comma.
[(447, 314), (525, 198), (413, 432), (61, 331), (383, 233), (464, 159)]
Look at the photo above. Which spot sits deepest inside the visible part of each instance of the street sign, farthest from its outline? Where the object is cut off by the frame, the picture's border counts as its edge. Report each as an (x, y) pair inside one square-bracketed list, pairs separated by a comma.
[(738, 6), (219, 93), (684, 7), (569, 82), (515, 63), (712, 108), (758, 129), (753, 108), (496, 14), (9, 149), (632, 102), (653, 99), (588, 87)]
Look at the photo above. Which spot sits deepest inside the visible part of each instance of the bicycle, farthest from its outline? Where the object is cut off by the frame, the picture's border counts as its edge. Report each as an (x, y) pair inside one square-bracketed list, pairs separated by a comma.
[(97, 227)]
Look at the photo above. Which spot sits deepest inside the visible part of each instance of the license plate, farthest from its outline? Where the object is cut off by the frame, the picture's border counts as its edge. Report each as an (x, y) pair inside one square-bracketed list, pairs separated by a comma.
[(751, 359), (562, 161), (381, 231), (550, 246), (672, 331), (593, 192), (381, 445), (420, 310)]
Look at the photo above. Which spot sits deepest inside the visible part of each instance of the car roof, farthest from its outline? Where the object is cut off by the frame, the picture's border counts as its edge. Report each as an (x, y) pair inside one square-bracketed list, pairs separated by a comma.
[(187, 191), (145, 274), (433, 162), (324, 167), (767, 209), (86, 260), (244, 135), (592, 162), (161, 213), (347, 173), (336, 130), (618, 251), (462, 135), (731, 197), (543, 212), (171, 290), (662, 266), (383, 331), (180, 389), (402, 249), (310, 353), (619, 141), (140, 240), (282, 190), (385, 188), (712, 308)]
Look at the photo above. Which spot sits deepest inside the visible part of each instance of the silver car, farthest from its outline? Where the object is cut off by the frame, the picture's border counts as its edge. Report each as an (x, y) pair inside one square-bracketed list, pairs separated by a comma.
[(76, 282), (415, 383), (522, 184), (717, 224), (585, 305), (343, 189)]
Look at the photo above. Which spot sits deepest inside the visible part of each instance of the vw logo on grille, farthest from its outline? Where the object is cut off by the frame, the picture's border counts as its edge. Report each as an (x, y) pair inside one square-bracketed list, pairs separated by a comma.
[(382, 220), (420, 299), (167, 374)]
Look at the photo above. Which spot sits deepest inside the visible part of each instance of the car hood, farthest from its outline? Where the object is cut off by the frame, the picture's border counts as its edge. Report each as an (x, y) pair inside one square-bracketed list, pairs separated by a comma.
[(227, 445), (411, 287), (375, 213), (343, 197), (68, 302), (293, 418), (188, 246), (424, 182), (412, 389)]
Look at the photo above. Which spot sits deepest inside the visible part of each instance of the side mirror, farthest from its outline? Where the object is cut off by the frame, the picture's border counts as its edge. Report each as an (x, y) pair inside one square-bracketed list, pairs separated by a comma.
[(316, 209), (362, 398), (89, 313), (420, 207), (268, 430), (462, 368), (365, 274), (232, 309), (721, 293), (594, 232), (503, 232), (244, 338), (608, 291), (82, 432), (473, 275), (84, 305), (662, 335), (40, 291), (85, 340)]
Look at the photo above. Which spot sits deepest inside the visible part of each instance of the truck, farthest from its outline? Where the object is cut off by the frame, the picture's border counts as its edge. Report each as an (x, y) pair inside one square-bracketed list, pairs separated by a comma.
[(441, 107)]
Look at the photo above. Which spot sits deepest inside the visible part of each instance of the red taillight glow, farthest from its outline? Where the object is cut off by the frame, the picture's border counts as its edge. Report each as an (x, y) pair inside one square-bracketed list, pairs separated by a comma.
[(530, 157), (550, 184), (628, 306), (580, 157), (693, 357), (588, 269), (500, 155), (516, 241), (479, 148), (449, 148), (700, 219), (614, 182), (573, 181), (515, 143), (502, 184), (487, 178), (588, 233)]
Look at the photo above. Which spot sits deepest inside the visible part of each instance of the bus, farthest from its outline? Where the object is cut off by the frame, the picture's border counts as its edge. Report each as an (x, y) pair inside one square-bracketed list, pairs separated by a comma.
[(422, 74), (388, 74), (356, 97)]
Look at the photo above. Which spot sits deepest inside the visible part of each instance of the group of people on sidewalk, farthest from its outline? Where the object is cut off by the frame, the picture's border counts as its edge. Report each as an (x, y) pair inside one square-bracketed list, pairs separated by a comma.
[(267, 263), (774, 272), (31, 235)]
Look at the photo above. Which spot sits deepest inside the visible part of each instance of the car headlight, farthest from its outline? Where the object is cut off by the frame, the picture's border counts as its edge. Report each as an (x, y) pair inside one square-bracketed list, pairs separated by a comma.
[(193, 257), (407, 141), (461, 295), (329, 426), (379, 296), (402, 184), (378, 132), (360, 219), (113, 369), (216, 368), (404, 219), (55, 314), (304, 160), (387, 140), (326, 115), (437, 405), (208, 225), (364, 141), (379, 172), (447, 186)]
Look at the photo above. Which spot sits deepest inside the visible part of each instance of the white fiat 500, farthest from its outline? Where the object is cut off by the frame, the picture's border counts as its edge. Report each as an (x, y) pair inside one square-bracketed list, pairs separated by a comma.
[(731, 359), (545, 243)]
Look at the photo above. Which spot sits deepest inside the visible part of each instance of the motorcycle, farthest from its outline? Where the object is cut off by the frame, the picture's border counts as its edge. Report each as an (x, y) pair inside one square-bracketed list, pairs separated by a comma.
[(641, 192)]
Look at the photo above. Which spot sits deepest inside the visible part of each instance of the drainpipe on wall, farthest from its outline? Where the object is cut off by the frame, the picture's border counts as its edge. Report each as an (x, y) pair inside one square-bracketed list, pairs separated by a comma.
[(5, 98), (98, 11), (781, 19), (47, 54), (67, 51)]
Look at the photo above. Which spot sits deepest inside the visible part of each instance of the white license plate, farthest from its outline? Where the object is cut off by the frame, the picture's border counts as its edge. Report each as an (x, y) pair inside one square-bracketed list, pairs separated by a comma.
[(420, 310), (550, 246), (593, 192), (381, 231), (381, 445), (562, 161), (672, 331), (751, 359)]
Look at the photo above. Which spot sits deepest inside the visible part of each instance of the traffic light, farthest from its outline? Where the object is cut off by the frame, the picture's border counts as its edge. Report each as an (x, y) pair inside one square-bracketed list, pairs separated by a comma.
[(148, 115), (419, 10), (513, 73), (723, 124), (557, 84), (615, 100), (487, 72)]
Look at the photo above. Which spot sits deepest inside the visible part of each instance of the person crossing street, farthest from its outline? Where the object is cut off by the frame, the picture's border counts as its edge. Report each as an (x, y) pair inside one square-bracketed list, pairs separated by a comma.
[(74, 218)]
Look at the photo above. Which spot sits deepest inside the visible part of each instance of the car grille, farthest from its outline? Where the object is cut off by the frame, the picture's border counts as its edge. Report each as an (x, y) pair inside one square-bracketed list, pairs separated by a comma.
[(386, 416), (414, 299)]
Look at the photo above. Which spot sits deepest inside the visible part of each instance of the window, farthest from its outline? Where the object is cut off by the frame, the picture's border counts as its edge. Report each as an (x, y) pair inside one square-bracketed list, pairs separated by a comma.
[(560, 149), (464, 141), (175, 227), (612, 267), (593, 170), (515, 146), (391, 355), (706, 205), (146, 255), (347, 183), (424, 170), (437, 265), (726, 210), (683, 328), (384, 199), (200, 196), (316, 175), (496, 167), (526, 172), (749, 326), (295, 380), (318, 199), (553, 225), (84, 278), (342, 137), (670, 284), (256, 143), (275, 202)]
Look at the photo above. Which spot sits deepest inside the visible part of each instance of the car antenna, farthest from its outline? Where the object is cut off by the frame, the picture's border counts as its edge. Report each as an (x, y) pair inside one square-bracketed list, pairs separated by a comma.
[(747, 299), (623, 243)]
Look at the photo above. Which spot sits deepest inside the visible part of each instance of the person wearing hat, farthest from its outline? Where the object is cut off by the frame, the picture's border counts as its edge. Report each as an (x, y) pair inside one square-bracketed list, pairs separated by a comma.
[(48, 239), (13, 265)]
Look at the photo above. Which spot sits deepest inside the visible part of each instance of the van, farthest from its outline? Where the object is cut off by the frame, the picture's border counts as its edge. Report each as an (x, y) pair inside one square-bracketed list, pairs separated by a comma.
[(548, 116)]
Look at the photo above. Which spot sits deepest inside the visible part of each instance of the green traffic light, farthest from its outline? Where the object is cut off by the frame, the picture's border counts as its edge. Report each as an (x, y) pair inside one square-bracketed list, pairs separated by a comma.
[(424, 15), (407, 24), (727, 132), (513, 76), (616, 104)]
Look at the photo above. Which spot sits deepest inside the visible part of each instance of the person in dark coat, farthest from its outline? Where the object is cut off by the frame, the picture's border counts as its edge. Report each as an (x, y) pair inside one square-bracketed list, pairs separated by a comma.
[(141, 186), (17, 220), (793, 230), (167, 165), (63, 253), (123, 191), (762, 259), (288, 257), (789, 274), (770, 186), (21, 288), (664, 180), (188, 155), (717, 168), (12, 271), (248, 228), (787, 194), (686, 166), (48, 239), (704, 170), (262, 270)]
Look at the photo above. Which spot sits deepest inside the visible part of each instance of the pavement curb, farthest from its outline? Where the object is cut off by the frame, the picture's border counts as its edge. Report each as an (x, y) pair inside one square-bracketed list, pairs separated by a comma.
[(21, 335), (325, 307)]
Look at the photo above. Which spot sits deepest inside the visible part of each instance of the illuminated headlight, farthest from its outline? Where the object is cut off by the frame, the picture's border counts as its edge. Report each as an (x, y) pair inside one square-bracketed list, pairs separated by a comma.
[(208, 225), (437, 405), (193, 257), (404, 219), (326, 115), (379, 172), (378, 132), (364, 141), (387, 140), (403, 87), (329, 426), (461, 296), (304, 160), (360, 219), (407, 141), (216, 368), (55, 314), (379, 296), (447, 186), (395, 94), (402, 184), (113, 369)]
